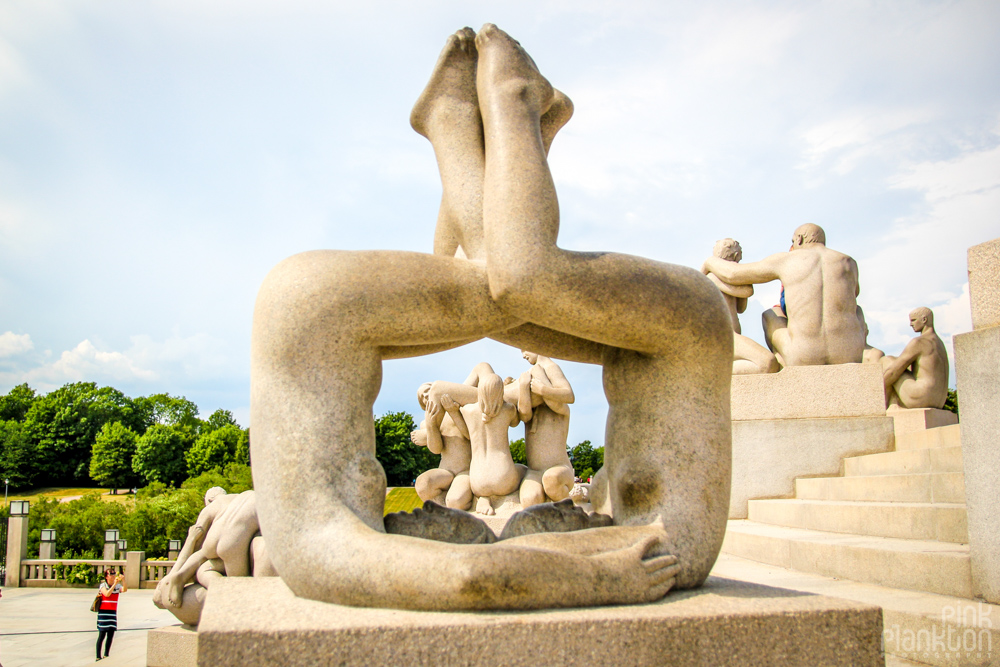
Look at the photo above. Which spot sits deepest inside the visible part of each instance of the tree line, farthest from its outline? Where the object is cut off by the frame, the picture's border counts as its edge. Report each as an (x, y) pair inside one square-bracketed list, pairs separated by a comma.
[(82, 433)]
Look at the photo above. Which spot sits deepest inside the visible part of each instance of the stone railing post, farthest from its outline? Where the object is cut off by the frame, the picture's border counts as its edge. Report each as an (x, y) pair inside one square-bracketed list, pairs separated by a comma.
[(17, 549), (133, 568)]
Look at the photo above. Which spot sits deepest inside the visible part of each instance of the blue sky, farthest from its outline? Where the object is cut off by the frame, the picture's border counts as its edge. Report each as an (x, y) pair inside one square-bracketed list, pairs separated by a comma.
[(158, 158)]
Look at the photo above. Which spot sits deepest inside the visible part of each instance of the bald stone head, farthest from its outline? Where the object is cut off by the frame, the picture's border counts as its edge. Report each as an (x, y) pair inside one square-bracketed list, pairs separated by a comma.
[(808, 233), (921, 318)]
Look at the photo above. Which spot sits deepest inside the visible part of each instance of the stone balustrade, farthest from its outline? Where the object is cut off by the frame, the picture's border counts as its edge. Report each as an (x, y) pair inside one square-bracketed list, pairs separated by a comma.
[(53, 573)]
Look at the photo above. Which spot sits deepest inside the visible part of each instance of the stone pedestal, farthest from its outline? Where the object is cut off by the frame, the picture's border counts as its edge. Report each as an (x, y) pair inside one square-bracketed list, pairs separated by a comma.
[(801, 422), (251, 621), (17, 549), (172, 646), (906, 420), (977, 372)]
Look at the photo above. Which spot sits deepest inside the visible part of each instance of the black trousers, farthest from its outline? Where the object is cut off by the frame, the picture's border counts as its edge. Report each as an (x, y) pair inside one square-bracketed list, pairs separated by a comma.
[(110, 634)]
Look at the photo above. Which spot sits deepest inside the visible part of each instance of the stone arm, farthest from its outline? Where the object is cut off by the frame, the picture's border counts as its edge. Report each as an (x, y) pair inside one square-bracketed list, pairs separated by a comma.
[(753, 273), (524, 409), (432, 419), (557, 388), (375, 569), (454, 411), (740, 292), (894, 369), (741, 305)]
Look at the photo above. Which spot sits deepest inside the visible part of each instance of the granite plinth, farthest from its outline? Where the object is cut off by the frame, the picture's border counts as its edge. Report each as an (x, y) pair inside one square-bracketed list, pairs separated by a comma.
[(172, 646), (984, 279), (977, 372), (919, 419), (810, 392), (260, 622), (769, 454)]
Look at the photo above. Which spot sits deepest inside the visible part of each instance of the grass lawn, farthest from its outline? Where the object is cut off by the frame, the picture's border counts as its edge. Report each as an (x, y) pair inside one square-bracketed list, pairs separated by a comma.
[(59, 493), (401, 499)]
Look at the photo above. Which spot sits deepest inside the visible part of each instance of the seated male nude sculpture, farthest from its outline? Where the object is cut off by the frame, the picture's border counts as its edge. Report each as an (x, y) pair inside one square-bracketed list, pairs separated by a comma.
[(543, 402), (918, 377), (820, 324), (224, 541), (451, 477), (748, 356), (324, 322)]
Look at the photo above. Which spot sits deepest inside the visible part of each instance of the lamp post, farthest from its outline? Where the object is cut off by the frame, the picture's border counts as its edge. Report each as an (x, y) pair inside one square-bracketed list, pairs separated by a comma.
[(47, 546), (17, 541), (173, 548), (110, 537), (122, 546), (19, 507)]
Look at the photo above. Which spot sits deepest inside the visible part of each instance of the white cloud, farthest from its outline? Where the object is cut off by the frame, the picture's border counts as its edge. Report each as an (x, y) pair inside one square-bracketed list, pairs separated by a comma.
[(146, 364), (12, 344)]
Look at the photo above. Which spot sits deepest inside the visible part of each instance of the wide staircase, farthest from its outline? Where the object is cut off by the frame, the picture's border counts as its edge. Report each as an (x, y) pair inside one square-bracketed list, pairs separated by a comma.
[(891, 530)]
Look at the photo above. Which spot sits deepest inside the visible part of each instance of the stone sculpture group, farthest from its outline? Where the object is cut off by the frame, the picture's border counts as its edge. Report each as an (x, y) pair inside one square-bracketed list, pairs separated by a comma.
[(324, 322), (467, 425)]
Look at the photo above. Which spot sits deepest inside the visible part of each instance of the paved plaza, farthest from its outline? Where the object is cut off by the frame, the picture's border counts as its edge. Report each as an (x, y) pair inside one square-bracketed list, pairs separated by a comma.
[(44, 627)]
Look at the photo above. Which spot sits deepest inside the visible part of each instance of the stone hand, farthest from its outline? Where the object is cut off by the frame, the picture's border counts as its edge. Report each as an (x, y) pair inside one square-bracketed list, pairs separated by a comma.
[(448, 403)]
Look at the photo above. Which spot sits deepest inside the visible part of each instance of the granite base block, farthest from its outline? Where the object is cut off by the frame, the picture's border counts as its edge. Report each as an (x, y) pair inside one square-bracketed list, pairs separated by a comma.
[(919, 419), (810, 392), (769, 454), (977, 371), (172, 646), (260, 622)]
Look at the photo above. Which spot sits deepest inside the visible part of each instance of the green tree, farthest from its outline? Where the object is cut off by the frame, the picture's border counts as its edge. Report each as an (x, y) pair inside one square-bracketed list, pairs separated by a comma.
[(215, 449), (159, 454), (951, 403), (586, 459), (111, 458), (17, 455), (14, 405), (218, 419), (400, 458), (517, 452), (64, 424), (168, 410), (234, 478)]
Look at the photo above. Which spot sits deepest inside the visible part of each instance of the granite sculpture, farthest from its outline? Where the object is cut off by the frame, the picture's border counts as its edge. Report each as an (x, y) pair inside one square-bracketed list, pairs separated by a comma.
[(918, 377), (224, 541), (749, 357), (449, 483), (543, 400), (324, 322), (817, 322)]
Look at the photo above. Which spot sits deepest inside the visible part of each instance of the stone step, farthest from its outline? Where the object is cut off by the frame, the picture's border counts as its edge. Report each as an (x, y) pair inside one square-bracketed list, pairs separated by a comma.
[(938, 459), (947, 487), (918, 565), (914, 521), (917, 626), (943, 436)]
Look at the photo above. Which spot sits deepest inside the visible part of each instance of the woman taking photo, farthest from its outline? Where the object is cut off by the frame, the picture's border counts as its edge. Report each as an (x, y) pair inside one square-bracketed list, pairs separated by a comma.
[(107, 613)]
